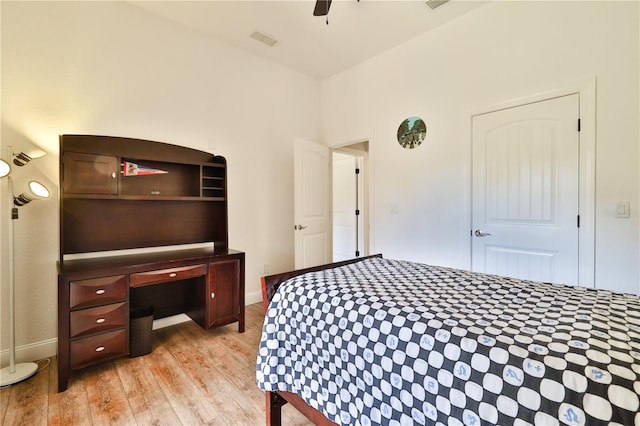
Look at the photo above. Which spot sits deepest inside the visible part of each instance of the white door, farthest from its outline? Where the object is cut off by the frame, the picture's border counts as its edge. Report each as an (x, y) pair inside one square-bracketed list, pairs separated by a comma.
[(525, 191), (312, 204), (345, 204)]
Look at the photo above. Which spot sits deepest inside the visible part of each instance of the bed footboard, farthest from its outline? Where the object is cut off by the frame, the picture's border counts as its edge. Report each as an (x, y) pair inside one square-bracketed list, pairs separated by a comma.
[(275, 400), (274, 408), (270, 283)]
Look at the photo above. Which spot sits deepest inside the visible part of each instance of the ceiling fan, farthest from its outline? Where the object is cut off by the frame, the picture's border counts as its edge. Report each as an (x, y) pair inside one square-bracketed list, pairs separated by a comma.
[(322, 7)]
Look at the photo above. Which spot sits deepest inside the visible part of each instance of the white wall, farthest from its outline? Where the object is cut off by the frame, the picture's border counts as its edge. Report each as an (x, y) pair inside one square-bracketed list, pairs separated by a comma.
[(494, 54), (110, 68)]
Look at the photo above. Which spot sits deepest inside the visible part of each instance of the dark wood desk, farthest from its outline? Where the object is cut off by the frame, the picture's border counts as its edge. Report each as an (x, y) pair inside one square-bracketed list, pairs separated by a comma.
[(95, 297), (121, 193)]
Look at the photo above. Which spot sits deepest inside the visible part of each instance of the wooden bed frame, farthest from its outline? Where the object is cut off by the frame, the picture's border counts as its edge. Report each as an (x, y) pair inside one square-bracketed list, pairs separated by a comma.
[(275, 400)]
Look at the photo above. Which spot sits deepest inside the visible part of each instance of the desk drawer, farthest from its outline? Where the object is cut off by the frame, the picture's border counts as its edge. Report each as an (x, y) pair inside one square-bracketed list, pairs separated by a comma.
[(97, 291), (102, 318), (164, 275), (91, 350)]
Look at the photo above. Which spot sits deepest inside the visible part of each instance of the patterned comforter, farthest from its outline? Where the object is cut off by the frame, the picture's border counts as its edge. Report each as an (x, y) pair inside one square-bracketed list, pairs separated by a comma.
[(393, 342)]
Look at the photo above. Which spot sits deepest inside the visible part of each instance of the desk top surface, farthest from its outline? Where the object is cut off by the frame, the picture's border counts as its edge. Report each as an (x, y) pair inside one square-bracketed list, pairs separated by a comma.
[(129, 263)]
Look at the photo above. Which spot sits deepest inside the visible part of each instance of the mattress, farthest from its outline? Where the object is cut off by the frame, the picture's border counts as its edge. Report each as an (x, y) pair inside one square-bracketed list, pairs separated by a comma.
[(395, 342)]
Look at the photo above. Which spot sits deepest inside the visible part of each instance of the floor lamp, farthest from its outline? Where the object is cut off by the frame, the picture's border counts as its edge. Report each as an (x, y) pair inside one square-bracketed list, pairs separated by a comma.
[(15, 373)]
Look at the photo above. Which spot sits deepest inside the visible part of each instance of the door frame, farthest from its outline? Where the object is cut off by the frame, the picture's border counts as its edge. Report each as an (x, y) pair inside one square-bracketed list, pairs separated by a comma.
[(366, 207), (586, 90)]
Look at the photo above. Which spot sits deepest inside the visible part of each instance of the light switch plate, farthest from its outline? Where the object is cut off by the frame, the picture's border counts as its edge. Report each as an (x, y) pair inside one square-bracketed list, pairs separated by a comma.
[(622, 209)]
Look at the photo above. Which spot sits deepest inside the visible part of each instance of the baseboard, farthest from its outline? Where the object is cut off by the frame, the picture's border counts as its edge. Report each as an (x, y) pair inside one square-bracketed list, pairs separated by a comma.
[(250, 299), (169, 321), (253, 297), (48, 348), (32, 352)]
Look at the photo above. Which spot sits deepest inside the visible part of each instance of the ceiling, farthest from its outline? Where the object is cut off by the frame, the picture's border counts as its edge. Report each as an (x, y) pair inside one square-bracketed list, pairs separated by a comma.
[(356, 30)]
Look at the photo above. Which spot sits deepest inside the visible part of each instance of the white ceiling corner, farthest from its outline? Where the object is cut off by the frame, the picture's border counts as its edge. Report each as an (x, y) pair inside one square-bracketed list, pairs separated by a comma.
[(357, 30)]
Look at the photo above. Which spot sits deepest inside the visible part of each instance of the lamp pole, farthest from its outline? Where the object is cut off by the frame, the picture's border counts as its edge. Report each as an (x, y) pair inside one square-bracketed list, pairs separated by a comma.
[(14, 373)]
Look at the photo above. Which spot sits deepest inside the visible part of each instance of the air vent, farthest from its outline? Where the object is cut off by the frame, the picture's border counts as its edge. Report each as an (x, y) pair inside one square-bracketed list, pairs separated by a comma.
[(263, 38), (436, 3)]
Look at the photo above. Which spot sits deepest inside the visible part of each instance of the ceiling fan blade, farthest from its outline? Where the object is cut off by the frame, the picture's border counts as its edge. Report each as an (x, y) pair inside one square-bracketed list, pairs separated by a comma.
[(322, 7)]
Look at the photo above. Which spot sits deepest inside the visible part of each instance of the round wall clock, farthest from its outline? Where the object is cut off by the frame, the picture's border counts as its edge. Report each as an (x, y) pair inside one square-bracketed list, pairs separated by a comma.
[(411, 132)]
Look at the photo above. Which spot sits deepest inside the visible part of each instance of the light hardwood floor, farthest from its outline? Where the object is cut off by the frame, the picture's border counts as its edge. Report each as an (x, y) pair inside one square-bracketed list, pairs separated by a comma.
[(192, 377)]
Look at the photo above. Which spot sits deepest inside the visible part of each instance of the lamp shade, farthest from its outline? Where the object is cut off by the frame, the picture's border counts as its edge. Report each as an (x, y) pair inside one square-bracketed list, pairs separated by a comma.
[(5, 169), (28, 153), (35, 190)]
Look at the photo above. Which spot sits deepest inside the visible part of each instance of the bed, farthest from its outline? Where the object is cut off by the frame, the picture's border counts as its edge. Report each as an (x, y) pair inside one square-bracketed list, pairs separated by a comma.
[(381, 341)]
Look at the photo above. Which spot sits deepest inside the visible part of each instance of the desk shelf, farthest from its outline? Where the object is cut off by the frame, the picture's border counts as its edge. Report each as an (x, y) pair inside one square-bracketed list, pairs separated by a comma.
[(137, 193)]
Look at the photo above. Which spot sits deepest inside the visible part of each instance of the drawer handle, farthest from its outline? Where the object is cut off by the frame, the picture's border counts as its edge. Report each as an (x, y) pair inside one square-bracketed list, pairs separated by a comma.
[(173, 275), (101, 291), (100, 349), (100, 320)]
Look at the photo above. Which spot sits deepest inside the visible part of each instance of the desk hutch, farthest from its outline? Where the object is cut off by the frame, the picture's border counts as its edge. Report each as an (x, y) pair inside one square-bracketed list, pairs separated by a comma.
[(121, 193)]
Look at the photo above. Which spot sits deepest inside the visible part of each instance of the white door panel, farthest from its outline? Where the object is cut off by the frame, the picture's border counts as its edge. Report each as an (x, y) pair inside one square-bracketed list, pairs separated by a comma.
[(513, 262), (344, 206), (525, 191), (312, 204), (314, 247)]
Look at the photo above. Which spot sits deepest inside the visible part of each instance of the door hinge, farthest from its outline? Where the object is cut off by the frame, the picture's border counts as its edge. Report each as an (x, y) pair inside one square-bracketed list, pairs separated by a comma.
[(578, 221), (579, 124), (357, 212), (357, 171), (357, 253)]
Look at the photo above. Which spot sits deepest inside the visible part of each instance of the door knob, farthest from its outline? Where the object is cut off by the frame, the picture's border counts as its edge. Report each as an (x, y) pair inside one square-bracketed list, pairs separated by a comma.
[(479, 233), (299, 227)]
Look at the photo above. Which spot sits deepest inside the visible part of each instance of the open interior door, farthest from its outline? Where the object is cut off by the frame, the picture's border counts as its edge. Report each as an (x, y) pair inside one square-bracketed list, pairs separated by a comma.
[(312, 204)]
